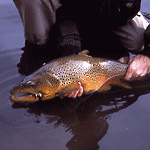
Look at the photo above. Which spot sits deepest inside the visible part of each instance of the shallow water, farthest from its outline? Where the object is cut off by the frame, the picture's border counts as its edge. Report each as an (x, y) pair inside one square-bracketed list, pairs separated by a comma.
[(118, 120)]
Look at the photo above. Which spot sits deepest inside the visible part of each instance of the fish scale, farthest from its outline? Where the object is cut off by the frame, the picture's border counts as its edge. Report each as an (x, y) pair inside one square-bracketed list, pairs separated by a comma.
[(61, 76), (68, 72)]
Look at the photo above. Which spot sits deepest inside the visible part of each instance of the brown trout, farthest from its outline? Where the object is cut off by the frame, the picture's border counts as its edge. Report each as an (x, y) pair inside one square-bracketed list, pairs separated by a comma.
[(61, 76)]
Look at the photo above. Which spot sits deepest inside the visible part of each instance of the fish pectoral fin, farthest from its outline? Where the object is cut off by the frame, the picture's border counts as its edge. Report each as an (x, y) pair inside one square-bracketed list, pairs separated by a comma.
[(107, 87), (104, 88), (122, 84), (109, 84), (70, 88)]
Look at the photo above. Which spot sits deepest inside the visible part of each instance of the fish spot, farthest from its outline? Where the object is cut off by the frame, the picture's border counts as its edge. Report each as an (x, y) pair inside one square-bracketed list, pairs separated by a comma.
[(67, 72), (113, 67)]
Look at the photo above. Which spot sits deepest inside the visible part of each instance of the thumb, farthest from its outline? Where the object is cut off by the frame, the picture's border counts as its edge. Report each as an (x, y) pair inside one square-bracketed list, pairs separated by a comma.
[(130, 61), (129, 73)]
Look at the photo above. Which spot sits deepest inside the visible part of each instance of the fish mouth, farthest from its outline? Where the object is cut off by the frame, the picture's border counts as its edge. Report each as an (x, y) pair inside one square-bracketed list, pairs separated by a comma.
[(25, 97)]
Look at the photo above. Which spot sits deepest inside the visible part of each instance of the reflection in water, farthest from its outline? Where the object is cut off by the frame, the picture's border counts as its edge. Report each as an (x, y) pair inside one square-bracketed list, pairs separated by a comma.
[(86, 117)]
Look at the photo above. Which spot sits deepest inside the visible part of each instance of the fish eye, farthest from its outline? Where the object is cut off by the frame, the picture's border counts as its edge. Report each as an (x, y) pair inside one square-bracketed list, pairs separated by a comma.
[(30, 83)]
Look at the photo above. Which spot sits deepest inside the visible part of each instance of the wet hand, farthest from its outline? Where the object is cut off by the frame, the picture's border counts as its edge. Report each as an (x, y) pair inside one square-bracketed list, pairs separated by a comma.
[(76, 93), (139, 66)]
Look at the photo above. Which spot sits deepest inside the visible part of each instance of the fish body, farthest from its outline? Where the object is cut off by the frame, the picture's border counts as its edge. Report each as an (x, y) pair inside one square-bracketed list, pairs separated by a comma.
[(61, 76)]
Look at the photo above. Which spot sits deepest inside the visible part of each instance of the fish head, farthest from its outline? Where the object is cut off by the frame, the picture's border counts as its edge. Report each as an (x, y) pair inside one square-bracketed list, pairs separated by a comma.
[(34, 88)]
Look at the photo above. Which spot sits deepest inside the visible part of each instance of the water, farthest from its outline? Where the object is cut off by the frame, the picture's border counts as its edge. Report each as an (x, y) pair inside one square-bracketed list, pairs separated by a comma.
[(119, 120)]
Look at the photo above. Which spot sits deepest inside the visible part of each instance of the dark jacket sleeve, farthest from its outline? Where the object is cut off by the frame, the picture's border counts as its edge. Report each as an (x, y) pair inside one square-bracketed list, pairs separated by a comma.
[(146, 50), (69, 41), (116, 13)]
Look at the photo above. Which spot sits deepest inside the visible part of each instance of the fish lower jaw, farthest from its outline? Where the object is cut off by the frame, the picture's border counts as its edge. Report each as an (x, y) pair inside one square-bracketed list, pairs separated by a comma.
[(25, 97)]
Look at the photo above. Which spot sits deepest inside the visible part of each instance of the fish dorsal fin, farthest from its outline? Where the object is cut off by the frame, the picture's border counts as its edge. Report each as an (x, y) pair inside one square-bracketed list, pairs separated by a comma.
[(84, 52)]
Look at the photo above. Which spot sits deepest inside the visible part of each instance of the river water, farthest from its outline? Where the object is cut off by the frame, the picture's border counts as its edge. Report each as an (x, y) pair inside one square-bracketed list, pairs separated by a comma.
[(115, 121)]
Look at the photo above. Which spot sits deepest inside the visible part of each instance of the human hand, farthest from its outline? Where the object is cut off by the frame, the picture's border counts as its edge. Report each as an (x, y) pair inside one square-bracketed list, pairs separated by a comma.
[(138, 66), (76, 93), (131, 35)]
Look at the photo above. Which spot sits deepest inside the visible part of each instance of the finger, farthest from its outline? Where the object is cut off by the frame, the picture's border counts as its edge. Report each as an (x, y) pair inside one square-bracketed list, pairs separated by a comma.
[(128, 74), (79, 83), (148, 70), (75, 94), (63, 96), (80, 91), (137, 73), (131, 71), (130, 61), (121, 34), (66, 95), (144, 72), (140, 72), (70, 94)]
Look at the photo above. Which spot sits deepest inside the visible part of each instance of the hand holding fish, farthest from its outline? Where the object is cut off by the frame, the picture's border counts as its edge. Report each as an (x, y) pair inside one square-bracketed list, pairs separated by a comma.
[(76, 93), (138, 66)]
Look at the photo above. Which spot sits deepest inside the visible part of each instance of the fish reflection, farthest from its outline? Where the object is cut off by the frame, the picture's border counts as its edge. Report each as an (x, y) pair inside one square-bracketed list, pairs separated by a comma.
[(85, 118)]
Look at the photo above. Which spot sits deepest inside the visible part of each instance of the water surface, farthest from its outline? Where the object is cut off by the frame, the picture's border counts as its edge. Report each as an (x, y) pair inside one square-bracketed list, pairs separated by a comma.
[(119, 120)]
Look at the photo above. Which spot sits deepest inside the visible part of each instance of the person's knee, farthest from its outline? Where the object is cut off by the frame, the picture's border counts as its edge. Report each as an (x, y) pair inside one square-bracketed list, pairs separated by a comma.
[(27, 2), (23, 1)]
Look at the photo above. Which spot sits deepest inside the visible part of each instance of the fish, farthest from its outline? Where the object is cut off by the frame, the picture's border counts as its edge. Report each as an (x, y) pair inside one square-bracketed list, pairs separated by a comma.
[(61, 76)]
